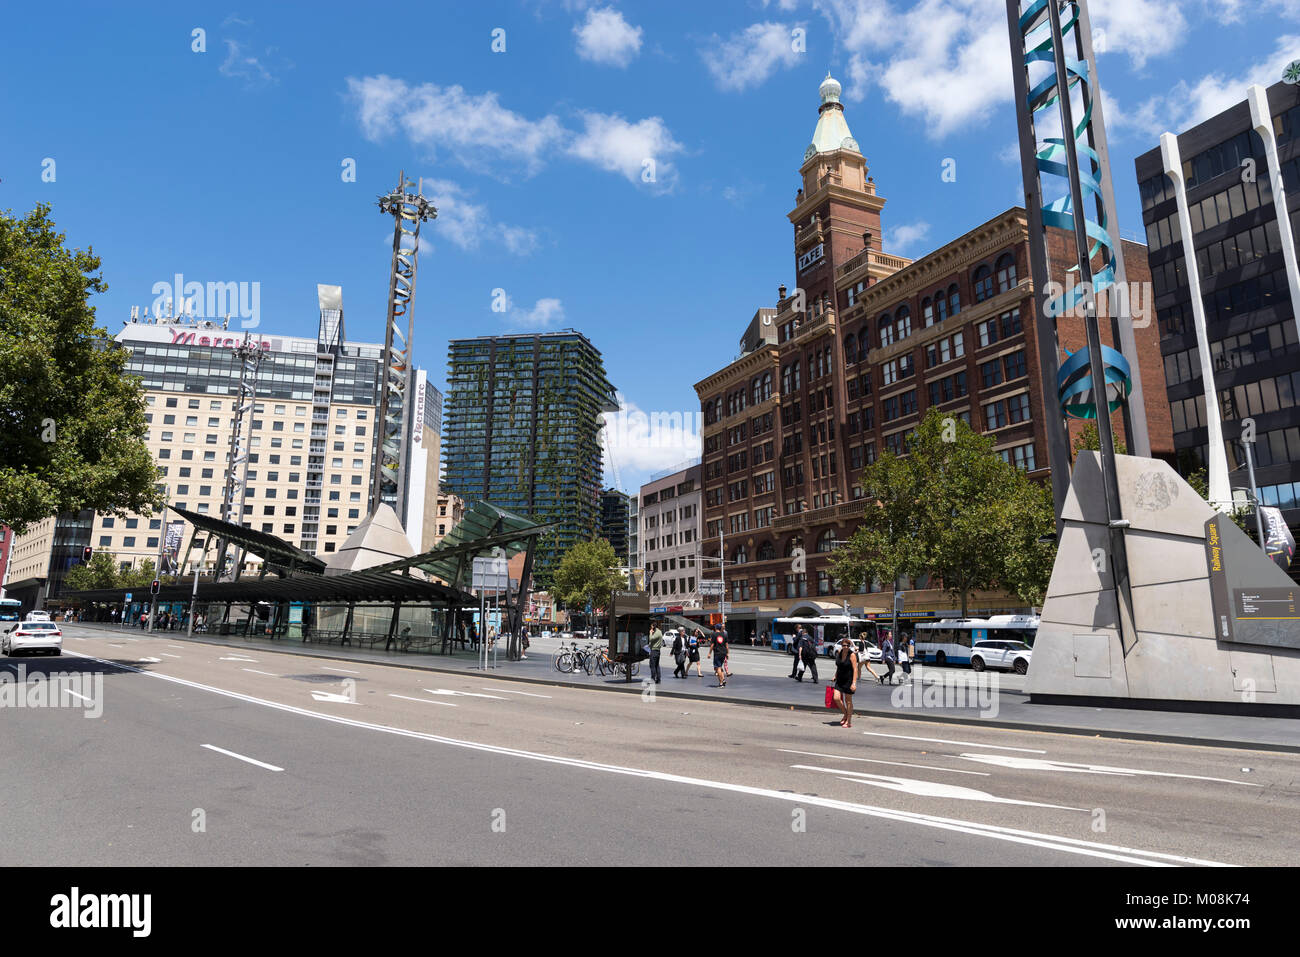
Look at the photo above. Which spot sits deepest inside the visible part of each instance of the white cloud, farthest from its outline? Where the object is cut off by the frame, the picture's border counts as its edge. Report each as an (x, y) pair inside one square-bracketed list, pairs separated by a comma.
[(638, 151), (746, 59), (947, 63), (242, 65), (478, 131), (605, 37), (900, 239), (544, 314), (475, 129), (468, 225), (1187, 104)]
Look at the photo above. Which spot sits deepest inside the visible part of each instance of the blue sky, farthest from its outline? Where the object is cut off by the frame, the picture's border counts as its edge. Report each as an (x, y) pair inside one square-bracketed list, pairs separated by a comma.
[(226, 165)]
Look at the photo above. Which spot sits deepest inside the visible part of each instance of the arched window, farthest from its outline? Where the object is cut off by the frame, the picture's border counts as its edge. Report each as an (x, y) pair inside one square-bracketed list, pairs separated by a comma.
[(767, 385), (740, 556), (886, 330), (850, 349), (940, 306), (766, 552), (791, 545), (954, 300), (902, 323), (826, 541), (927, 311), (1006, 272), (864, 344), (983, 283)]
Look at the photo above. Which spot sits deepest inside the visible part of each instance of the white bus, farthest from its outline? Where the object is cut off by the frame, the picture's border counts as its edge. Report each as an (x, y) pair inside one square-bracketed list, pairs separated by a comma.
[(826, 630), (9, 609), (949, 641)]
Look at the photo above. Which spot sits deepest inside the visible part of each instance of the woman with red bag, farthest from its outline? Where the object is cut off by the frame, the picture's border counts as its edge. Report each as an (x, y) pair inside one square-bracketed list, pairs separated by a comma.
[(846, 680)]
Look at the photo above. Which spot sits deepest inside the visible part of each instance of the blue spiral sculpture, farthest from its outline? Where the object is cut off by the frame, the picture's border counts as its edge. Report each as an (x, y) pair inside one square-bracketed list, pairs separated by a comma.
[(1075, 387)]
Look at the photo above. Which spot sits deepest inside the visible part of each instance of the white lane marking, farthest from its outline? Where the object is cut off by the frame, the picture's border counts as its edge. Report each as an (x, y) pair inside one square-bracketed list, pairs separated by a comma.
[(1066, 845), (932, 789), (1038, 764), (964, 744), (165, 655), (176, 646), (80, 697), (330, 696), (347, 671), (151, 661), (75, 638), (444, 704), (463, 694), (256, 672), (513, 691), (897, 764), (232, 754), (236, 658)]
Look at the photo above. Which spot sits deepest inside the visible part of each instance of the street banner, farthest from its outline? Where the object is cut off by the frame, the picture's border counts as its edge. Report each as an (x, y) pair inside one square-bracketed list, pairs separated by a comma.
[(172, 547), (1278, 542)]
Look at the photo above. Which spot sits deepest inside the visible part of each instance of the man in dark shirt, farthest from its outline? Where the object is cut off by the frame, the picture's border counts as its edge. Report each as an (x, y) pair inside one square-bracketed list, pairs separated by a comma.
[(719, 651)]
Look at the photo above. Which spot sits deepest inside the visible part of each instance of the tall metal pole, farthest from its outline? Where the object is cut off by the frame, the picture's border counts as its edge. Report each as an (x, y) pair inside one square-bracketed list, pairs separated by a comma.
[(1058, 442), (722, 568), (1110, 480), (388, 479), (162, 545), (235, 493), (1254, 492)]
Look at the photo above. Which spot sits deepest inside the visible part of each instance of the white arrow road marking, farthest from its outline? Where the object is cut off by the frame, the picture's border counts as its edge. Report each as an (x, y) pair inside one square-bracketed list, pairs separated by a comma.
[(463, 694), (256, 672), (1053, 842), (928, 788), (964, 744), (232, 754), (442, 704), (513, 691), (899, 764), (327, 696), (1037, 764)]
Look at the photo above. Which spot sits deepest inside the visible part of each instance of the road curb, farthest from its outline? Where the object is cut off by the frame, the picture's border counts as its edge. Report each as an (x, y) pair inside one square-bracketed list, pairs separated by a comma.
[(636, 688)]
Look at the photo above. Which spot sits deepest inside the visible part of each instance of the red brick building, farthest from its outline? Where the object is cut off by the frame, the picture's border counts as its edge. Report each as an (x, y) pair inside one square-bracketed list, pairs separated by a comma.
[(865, 345)]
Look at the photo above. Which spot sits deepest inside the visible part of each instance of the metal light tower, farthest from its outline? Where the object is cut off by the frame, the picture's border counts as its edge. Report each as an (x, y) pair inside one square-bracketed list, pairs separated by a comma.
[(249, 356), (409, 210)]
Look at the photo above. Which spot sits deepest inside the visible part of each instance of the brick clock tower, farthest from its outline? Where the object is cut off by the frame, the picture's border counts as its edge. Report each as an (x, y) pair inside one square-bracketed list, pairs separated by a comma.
[(836, 222)]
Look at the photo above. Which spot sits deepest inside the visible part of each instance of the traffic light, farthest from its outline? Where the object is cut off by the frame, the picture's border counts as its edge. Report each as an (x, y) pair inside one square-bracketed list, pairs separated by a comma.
[(86, 553), (153, 588)]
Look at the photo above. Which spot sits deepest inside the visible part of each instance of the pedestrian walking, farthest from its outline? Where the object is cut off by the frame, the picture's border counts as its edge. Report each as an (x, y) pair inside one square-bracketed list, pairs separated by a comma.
[(796, 645), (846, 680), (809, 654), (718, 650), (693, 652), (679, 654), (906, 649), (726, 662), (890, 656), (656, 648)]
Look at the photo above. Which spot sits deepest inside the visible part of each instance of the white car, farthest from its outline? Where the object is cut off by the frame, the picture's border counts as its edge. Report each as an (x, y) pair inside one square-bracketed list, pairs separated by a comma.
[(32, 636), (38, 616), (1000, 654)]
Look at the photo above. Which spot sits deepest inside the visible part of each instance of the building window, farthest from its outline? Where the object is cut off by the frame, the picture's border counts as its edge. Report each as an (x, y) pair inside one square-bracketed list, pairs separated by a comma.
[(1006, 272), (886, 330), (983, 283)]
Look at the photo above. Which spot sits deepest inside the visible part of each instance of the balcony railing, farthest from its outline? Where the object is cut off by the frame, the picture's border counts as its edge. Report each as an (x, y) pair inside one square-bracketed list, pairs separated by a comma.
[(872, 256)]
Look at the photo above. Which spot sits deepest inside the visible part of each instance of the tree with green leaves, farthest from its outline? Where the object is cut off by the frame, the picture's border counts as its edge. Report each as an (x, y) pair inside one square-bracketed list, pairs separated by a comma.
[(588, 573), (101, 572), (72, 424), (951, 508), (1089, 440)]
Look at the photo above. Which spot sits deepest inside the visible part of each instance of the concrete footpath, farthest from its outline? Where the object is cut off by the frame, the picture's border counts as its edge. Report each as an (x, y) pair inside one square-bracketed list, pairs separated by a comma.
[(760, 678)]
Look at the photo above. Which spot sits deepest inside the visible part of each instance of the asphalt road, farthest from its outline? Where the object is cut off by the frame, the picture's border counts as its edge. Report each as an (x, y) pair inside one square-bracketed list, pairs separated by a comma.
[(205, 755)]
